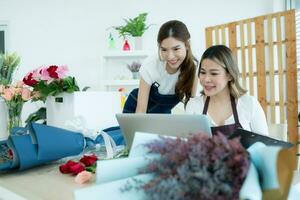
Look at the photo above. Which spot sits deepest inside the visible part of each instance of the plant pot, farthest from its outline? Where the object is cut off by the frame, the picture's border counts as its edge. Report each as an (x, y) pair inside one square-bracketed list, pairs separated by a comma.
[(135, 75), (138, 43)]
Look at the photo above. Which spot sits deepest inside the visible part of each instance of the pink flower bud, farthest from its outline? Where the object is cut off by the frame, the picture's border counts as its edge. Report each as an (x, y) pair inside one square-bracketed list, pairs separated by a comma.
[(62, 71), (7, 94), (20, 84), (83, 177), (26, 94)]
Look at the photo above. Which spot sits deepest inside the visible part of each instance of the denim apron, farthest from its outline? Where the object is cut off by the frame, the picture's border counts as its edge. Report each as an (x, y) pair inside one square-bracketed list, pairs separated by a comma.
[(157, 103), (229, 129)]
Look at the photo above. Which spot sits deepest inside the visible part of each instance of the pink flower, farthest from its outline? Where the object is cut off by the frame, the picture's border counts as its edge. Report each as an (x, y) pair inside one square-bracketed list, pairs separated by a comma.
[(7, 94), (20, 84), (45, 74), (83, 177), (36, 74), (62, 71), (26, 94)]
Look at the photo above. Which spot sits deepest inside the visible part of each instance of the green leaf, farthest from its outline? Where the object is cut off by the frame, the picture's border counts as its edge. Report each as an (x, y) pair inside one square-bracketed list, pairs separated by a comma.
[(134, 27), (40, 114)]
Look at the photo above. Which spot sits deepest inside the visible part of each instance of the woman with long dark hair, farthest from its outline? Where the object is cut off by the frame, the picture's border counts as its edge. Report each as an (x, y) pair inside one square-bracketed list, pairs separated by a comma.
[(168, 78)]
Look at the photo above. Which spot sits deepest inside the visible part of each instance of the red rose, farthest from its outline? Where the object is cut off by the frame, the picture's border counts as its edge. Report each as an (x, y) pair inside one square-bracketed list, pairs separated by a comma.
[(77, 168), (10, 154), (52, 71), (66, 168), (88, 160), (28, 80)]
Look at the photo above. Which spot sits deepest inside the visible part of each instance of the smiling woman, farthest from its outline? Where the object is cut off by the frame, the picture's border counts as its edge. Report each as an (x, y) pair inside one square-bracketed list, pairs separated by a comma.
[(169, 78), (223, 99)]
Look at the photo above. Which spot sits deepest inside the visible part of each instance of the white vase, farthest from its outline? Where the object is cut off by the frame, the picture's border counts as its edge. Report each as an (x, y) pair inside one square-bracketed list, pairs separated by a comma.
[(135, 75), (138, 43), (3, 120)]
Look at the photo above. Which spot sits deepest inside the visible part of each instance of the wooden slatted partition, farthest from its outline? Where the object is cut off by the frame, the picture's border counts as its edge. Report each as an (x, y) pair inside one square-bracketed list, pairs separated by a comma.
[(267, 64)]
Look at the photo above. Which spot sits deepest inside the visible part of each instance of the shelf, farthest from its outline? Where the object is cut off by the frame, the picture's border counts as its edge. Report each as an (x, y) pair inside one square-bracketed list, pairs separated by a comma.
[(121, 54), (121, 82)]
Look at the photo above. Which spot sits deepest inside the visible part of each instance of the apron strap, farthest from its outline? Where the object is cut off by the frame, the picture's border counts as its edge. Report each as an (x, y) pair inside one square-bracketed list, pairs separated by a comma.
[(205, 105), (233, 106), (234, 111)]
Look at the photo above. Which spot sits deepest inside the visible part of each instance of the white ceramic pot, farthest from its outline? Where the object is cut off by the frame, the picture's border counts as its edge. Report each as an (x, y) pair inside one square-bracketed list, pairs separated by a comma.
[(3, 120), (138, 43)]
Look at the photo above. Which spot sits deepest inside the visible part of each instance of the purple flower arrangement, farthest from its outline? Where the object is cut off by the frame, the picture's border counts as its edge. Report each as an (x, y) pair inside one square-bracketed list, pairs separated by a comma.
[(198, 167)]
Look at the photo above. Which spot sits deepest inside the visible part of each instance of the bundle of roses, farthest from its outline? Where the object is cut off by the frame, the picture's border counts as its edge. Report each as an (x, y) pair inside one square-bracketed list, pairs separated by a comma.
[(50, 81), (197, 168), (83, 169), (16, 93)]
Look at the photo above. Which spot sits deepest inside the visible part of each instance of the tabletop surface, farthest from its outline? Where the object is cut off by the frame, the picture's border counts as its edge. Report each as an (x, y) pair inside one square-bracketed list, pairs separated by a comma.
[(47, 183)]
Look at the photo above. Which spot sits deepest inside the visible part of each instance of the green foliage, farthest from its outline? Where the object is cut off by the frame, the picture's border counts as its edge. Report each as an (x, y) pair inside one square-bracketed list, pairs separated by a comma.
[(56, 87), (40, 114), (8, 64), (134, 27)]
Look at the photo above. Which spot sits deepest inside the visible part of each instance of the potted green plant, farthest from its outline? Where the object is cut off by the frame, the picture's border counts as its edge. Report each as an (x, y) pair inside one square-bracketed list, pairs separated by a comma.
[(8, 64), (135, 27)]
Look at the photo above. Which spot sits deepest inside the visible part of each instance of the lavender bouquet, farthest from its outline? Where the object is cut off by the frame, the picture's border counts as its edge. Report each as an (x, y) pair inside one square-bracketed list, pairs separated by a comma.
[(197, 168)]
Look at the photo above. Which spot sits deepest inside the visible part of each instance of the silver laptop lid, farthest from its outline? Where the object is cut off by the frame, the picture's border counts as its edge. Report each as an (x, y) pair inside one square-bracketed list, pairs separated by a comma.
[(163, 124)]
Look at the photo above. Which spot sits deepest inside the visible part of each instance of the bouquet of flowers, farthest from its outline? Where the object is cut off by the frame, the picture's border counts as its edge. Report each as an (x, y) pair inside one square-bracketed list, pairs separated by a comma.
[(15, 96), (50, 81), (8, 64), (197, 168), (82, 169)]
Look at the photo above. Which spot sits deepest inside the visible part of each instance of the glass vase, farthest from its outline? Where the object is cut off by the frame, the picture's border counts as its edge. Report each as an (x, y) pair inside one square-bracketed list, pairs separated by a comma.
[(14, 115)]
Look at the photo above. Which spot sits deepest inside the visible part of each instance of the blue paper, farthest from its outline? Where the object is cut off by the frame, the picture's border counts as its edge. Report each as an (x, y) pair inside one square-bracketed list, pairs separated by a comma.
[(251, 187), (27, 152), (56, 143), (111, 170), (265, 160)]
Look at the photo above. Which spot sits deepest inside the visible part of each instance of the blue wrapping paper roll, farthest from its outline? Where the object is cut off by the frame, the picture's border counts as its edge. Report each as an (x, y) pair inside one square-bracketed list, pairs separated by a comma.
[(39, 144), (56, 143)]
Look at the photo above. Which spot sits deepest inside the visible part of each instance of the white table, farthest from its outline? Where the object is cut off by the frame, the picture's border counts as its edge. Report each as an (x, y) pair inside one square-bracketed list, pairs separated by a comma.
[(47, 183)]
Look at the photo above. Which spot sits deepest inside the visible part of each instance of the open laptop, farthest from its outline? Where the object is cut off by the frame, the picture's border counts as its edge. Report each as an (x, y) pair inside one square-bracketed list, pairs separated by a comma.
[(163, 124)]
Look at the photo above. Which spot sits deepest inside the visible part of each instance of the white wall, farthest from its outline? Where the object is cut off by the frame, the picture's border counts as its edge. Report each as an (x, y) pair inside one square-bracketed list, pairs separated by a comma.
[(74, 32)]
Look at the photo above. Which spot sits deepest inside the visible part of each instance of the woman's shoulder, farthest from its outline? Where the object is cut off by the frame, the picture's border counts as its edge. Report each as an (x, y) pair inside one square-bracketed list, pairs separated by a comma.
[(247, 101), (247, 98), (195, 104)]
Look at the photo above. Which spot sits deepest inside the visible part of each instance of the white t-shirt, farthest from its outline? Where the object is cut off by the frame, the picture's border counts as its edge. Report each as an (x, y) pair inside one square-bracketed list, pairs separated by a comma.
[(250, 113), (154, 70)]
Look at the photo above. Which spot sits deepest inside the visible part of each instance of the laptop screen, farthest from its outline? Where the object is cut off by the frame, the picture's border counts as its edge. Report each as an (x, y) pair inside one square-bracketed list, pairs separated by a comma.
[(180, 125)]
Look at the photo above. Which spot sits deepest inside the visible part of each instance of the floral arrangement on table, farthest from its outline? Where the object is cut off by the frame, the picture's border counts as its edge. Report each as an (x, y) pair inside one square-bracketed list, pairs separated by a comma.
[(197, 168), (82, 169), (8, 64), (15, 96), (50, 81)]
